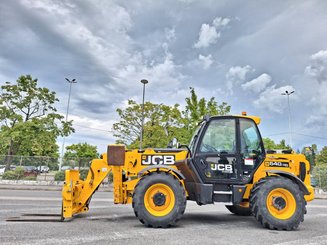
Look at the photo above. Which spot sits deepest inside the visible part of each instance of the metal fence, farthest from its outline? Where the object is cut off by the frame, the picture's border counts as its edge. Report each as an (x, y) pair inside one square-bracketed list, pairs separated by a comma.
[(319, 177), (51, 162)]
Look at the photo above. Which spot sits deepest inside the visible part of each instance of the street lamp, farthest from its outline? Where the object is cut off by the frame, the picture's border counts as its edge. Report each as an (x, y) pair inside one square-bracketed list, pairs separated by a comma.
[(63, 141), (289, 114), (141, 137), (70, 90)]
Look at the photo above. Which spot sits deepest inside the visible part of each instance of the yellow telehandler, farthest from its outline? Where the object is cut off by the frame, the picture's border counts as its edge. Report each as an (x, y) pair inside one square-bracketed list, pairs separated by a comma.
[(225, 162)]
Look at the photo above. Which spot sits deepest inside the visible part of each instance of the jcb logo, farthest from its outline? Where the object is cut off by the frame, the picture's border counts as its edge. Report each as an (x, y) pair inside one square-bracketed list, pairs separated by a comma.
[(225, 168), (158, 159)]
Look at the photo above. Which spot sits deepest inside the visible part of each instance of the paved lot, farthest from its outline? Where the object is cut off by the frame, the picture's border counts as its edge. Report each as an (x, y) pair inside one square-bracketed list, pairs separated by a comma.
[(107, 223)]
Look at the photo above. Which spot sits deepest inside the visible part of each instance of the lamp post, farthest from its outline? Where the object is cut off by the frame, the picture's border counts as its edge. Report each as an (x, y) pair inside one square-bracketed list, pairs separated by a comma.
[(141, 136), (289, 114), (63, 141)]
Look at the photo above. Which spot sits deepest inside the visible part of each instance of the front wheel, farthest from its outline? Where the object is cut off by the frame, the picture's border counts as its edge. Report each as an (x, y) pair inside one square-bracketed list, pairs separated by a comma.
[(278, 203), (159, 200)]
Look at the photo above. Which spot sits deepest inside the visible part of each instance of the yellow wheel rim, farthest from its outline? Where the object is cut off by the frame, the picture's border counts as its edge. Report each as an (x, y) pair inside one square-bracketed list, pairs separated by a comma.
[(281, 203), (159, 200)]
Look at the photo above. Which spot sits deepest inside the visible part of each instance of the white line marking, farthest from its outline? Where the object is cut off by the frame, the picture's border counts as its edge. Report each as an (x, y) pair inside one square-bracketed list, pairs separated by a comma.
[(308, 241), (50, 199)]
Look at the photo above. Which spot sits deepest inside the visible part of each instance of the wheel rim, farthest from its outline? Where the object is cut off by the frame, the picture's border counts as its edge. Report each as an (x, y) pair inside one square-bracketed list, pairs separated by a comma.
[(281, 203), (159, 200)]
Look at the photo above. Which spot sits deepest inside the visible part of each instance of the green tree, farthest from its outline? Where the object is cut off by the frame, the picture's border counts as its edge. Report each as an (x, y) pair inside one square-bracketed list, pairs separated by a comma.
[(197, 108), (310, 153), (28, 118), (320, 171), (162, 122), (322, 157), (82, 152), (269, 144), (282, 145)]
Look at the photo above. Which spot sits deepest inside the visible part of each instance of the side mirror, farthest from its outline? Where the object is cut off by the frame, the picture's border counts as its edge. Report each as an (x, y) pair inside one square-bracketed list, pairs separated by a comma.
[(173, 143)]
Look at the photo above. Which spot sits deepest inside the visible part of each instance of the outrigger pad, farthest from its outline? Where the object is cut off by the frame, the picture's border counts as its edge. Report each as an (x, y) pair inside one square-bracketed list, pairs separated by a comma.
[(116, 155)]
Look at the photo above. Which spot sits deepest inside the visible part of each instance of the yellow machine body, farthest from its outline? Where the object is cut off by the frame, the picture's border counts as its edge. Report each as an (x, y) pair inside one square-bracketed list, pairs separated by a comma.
[(76, 193), (129, 166)]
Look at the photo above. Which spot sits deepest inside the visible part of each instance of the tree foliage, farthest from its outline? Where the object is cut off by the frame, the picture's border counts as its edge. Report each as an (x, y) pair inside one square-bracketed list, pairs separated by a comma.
[(310, 153), (271, 145), (81, 150), (16, 174), (162, 122), (80, 154), (322, 158), (197, 108), (320, 170), (29, 120)]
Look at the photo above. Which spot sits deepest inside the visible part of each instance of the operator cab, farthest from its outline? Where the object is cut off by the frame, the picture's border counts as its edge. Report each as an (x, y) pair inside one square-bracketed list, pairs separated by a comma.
[(225, 152), (227, 149)]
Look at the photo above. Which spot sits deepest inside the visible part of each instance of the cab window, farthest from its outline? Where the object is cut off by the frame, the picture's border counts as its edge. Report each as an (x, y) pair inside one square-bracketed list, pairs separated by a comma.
[(220, 136), (250, 139)]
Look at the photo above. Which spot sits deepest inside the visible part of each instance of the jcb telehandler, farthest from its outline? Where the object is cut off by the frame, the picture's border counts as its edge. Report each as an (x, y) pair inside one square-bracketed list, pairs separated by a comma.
[(225, 162)]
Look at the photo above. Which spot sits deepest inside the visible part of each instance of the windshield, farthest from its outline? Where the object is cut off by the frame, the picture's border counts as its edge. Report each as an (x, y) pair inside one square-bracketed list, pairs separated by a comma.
[(194, 137), (220, 136)]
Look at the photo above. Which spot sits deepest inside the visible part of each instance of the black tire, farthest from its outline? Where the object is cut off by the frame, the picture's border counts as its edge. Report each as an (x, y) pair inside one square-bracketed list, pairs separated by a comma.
[(239, 210), (277, 212), (143, 213)]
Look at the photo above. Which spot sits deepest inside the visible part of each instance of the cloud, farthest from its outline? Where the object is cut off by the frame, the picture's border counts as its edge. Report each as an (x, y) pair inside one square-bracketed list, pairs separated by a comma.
[(209, 34), (271, 99), (164, 74), (236, 75), (93, 131), (238, 72), (220, 22), (318, 71), (258, 84), (207, 61), (318, 67), (170, 34), (108, 46)]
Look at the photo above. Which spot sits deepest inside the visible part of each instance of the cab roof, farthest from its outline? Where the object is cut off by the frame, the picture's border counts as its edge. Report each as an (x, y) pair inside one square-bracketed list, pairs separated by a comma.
[(256, 119)]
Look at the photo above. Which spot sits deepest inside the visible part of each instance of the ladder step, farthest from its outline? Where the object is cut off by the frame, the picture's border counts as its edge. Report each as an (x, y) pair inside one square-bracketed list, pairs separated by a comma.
[(223, 192), (225, 203)]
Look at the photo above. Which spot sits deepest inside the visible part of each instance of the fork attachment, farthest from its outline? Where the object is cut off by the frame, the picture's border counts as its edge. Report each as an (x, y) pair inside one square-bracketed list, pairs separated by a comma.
[(77, 193)]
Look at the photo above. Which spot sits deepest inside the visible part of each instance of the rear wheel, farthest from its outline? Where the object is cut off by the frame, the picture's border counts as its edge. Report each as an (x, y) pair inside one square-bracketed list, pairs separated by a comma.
[(278, 203), (239, 210), (159, 200)]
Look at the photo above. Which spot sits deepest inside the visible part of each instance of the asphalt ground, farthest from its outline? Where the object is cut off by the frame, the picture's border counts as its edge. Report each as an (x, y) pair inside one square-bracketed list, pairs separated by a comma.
[(107, 223)]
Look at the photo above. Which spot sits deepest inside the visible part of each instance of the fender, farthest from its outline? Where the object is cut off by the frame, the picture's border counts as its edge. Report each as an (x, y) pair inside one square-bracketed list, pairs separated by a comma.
[(178, 173), (292, 177)]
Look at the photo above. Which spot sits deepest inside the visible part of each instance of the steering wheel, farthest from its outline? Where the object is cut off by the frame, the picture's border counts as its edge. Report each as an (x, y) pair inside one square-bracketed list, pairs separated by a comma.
[(209, 148)]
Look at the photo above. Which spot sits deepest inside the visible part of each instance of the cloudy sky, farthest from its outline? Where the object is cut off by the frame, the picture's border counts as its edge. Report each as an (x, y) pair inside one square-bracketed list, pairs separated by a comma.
[(245, 53)]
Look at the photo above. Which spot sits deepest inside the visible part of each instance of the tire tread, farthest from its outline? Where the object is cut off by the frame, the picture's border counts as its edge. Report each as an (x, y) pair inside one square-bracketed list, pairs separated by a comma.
[(262, 216), (137, 200)]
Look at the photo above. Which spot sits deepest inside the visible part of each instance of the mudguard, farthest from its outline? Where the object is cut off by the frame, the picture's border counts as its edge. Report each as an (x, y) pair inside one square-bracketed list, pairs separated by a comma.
[(292, 177)]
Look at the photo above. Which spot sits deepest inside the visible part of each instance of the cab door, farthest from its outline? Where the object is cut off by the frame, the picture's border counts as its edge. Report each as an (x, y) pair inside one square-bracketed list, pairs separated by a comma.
[(217, 157)]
